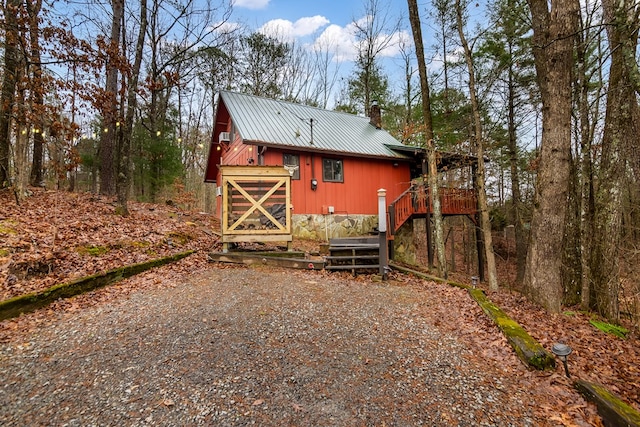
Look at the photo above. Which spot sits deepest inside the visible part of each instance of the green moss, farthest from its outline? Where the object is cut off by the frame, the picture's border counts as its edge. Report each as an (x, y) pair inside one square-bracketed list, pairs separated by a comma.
[(121, 211), (25, 303), (179, 238), (140, 245), (4, 252), (527, 349), (608, 328), (6, 227), (92, 250)]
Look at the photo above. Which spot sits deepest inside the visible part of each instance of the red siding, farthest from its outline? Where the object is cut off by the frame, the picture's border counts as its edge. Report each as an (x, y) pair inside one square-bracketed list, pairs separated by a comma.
[(356, 195)]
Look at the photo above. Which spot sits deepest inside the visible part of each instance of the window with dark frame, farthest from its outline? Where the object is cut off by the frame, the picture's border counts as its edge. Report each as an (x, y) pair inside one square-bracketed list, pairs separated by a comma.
[(292, 160), (332, 170)]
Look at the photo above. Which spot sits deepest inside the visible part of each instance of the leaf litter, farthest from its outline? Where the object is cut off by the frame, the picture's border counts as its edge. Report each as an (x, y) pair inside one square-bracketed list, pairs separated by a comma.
[(42, 238)]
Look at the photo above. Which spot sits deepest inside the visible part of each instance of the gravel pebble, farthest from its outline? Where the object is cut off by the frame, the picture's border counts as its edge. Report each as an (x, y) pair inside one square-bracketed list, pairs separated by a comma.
[(259, 346)]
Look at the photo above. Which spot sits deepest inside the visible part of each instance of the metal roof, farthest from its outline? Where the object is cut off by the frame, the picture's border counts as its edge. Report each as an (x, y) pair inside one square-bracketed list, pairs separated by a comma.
[(271, 122)]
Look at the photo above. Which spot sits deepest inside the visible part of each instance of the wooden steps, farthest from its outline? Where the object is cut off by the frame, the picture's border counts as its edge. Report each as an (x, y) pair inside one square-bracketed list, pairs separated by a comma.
[(353, 253)]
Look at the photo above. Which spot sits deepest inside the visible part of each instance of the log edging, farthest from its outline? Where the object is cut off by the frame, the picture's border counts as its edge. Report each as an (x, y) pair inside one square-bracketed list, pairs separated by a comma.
[(612, 409), (26, 303), (530, 352)]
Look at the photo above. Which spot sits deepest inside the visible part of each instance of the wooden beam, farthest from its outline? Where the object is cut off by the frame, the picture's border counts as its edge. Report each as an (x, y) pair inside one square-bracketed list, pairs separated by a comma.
[(612, 409), (250, 259)]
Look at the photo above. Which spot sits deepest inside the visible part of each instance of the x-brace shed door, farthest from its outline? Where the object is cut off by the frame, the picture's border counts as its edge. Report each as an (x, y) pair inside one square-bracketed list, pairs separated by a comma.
[(256, 204)]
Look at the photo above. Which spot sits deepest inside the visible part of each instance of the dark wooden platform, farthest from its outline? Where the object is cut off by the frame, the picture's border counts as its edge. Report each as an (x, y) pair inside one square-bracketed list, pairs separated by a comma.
[(353, 253)]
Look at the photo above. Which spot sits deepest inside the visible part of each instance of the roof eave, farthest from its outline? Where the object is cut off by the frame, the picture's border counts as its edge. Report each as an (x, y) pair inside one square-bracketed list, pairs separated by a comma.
[(312, 149)]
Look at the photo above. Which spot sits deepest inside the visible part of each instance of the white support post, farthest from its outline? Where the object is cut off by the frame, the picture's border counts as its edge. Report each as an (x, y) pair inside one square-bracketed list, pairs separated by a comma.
[(383, 261)]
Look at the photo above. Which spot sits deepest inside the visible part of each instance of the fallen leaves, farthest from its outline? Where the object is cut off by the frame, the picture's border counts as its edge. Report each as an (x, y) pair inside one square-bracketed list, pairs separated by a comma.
[(39, 243), (53, 237)]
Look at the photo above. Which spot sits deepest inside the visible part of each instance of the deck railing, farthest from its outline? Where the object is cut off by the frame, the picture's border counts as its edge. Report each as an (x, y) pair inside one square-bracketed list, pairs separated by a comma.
[(416, 200)]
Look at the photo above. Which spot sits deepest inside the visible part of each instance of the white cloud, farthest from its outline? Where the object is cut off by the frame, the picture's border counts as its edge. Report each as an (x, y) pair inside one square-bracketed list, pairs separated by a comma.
[(339, 41), (394, 47), (251, 4), (342, 42), (288, 31), (309, 25), (225, 27)]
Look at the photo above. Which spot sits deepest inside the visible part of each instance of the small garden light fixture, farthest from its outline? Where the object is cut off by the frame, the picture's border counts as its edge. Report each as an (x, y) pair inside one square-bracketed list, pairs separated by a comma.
[(562, 351), (474, 281)]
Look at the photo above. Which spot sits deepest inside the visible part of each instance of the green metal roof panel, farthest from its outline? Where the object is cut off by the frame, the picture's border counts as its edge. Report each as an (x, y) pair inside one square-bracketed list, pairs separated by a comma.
[(274, 122)]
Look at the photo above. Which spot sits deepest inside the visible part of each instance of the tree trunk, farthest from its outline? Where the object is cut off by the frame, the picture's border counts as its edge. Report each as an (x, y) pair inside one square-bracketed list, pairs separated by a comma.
[(622, 108), (553, 35), (485, 223), (7, 97), (37, 90), (516, 196), (108, 139), (414, 19), (23, 132), (124, 175), (586, 201)]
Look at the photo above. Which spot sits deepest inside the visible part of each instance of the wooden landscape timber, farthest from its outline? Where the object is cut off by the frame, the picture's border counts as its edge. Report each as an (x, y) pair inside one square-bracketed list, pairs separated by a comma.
[(18, 305), (276, 259), (614, 412), (527, 348)]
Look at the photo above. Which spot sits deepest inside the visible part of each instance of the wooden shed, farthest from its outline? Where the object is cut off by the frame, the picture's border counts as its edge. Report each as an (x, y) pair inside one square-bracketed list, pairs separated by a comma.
[(256, 204)]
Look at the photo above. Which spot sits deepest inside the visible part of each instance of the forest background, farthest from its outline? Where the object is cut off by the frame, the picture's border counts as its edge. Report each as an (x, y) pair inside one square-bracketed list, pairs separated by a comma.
[(117, 98)]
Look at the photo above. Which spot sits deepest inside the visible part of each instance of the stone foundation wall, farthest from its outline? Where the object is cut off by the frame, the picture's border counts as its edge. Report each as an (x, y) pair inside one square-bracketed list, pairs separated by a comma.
[(324, 227), (404, 244)]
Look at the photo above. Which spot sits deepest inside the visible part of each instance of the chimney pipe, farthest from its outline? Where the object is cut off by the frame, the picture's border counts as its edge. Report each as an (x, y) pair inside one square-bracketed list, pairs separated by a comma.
[(375, 117)]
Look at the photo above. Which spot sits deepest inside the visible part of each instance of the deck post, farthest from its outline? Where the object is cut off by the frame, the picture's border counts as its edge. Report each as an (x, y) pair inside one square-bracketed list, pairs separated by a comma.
[(382, 233)]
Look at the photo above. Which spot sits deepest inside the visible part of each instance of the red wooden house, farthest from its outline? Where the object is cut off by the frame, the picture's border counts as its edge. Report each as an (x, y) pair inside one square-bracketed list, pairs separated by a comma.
[(338, 161)]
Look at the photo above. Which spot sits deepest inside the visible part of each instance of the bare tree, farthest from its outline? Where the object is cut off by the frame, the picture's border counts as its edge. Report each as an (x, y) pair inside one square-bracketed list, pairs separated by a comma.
[(620, 128), (37, 91), (374, 33), (326, 72), (588, 94), (414, 19), (485, 223), (9, 80), (108, 137), (124, 152)]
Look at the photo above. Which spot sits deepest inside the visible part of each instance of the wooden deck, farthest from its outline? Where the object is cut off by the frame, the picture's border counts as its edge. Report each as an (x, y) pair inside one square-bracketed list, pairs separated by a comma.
[(416, 202)]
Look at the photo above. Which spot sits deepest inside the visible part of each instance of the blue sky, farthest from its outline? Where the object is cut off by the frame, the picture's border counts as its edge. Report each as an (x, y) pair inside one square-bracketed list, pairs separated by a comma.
[(328, 22)]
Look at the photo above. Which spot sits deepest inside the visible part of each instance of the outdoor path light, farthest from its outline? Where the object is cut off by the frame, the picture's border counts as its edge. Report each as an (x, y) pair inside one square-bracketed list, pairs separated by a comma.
[(474, 281), (562, 351)]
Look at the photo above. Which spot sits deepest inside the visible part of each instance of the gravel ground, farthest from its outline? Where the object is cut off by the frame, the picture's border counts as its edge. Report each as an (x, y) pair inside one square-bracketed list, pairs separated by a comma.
[(235, 346)]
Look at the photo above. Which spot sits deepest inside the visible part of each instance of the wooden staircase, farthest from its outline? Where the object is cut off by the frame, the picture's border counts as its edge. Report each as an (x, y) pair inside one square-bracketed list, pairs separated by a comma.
[(415, 201), (353, 253)]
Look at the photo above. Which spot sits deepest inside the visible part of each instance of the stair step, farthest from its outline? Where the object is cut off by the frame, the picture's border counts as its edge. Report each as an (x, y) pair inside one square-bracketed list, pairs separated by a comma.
[(344, 257), (357, 246), (352, 267), (353, 241)]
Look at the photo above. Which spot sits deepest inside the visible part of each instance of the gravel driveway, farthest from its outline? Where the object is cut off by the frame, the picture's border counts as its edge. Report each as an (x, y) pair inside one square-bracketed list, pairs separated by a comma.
[(237, 346)]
